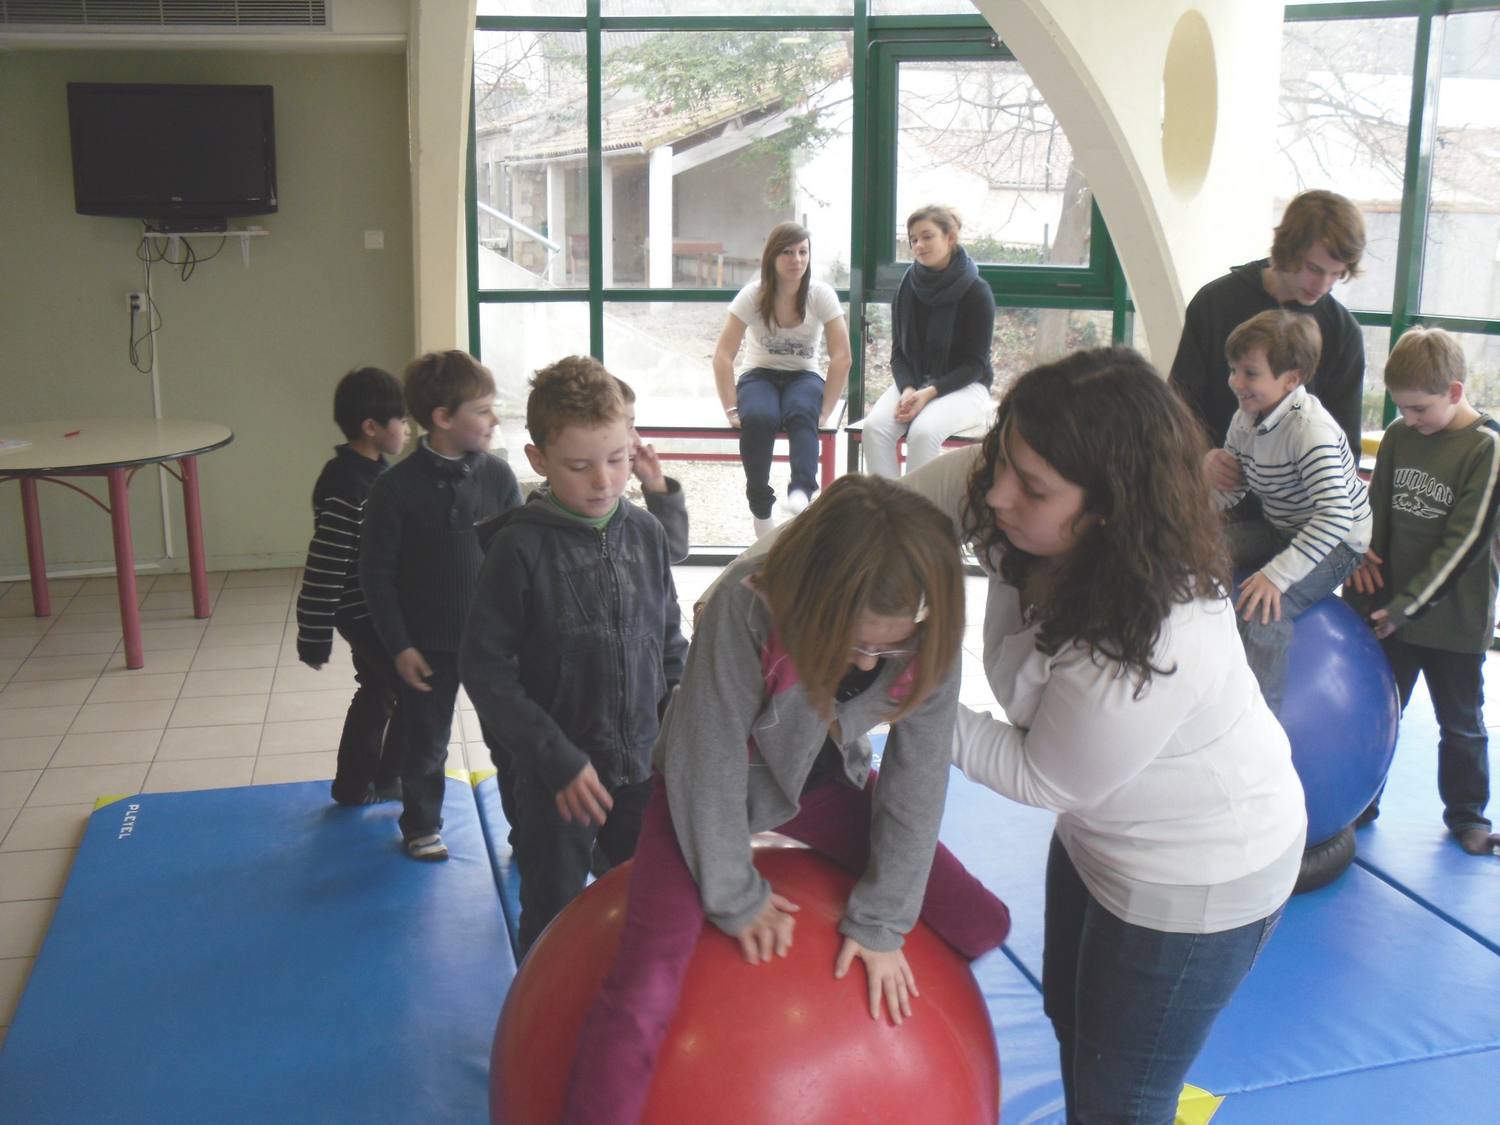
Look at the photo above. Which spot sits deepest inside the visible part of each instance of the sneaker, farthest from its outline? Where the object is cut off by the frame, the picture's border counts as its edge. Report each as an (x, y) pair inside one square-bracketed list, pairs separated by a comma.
[(1478, 840), (429, 847), (762, 525), (796, 503)]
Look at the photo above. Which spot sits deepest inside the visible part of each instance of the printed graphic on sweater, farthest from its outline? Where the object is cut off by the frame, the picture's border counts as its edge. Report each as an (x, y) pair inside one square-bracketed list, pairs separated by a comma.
[(1416, 491)]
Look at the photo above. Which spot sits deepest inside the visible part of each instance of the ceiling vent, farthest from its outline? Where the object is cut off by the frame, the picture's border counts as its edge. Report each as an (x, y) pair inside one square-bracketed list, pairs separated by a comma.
[(147, 14)]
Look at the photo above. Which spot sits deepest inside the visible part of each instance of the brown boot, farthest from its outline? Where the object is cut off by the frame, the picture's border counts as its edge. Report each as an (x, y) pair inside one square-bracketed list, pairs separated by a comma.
[(1478, 841)]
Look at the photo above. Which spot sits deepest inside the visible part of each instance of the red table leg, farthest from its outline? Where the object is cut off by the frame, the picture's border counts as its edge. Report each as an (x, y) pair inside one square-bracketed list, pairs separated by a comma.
[(826, 458), (36, 561), (192, 511), (130, 610)]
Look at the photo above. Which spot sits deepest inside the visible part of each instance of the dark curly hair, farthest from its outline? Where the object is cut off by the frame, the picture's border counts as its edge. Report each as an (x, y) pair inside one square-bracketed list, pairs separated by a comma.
[(1106, 421)]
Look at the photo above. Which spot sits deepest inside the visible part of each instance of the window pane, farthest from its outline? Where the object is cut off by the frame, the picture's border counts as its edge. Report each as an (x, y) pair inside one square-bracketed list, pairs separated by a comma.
[(1482, 356), (977, 136), (1345, 101), (531, 159), (530, 8), (1023, 339), (718, 8), (710, 140), (1461, 263), (515, 340), (921, 8), (1377, 348)]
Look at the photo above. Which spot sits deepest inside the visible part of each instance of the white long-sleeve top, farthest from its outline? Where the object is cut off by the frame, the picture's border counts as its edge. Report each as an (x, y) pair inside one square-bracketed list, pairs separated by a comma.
[(1297, 461), (1180, 808)]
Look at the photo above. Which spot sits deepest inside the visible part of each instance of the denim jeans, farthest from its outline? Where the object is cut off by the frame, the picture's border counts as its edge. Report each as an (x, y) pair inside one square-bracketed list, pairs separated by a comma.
[(772, 402), (1131, 1006), (370, 746), (1252, 544), (1455, 681)]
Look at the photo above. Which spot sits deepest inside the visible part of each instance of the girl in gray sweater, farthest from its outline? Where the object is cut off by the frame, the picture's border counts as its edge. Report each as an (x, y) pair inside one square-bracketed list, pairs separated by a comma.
[(853, 619)]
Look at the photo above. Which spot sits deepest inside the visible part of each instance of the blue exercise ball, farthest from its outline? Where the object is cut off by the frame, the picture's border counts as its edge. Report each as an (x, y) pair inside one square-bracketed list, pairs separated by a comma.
[(1340, 711)]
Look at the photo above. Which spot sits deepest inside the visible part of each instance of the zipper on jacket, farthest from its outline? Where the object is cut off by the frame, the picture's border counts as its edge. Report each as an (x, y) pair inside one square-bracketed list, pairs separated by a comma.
[(619, 643)]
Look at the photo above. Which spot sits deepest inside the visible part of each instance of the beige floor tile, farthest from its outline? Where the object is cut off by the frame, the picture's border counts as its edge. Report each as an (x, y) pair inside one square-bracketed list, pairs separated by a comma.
[(298, 737), (214, 581), (32, 753), (214, 773), (18, 648), (300, 677), (13, 974), (27, 626), (218, 636), (170, 618), (100, 603), (74, 644), (23, 925), (294, 705), (256, 595), (45, 693), (249, 615), (214, 710), (170, 638), (468, 723), (236, 656), (284, 577), (49, 826), (23, 722), (72, 785), (97, 586), (227, 681), (103, 748), (140, 686), (145, 714), (7, 820), (22, 607), (168, 599), (16, 786), (61, 667), (296, 767), (34, 874), (158, 659), (239, 740), (9, 667), (70, 624)]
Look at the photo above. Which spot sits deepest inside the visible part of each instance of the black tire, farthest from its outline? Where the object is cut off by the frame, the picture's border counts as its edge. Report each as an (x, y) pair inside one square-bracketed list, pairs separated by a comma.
[(1325, 862)]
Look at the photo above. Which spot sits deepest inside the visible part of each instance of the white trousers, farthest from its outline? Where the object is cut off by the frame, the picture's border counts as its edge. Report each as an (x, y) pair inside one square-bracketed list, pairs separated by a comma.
[(939, 420)]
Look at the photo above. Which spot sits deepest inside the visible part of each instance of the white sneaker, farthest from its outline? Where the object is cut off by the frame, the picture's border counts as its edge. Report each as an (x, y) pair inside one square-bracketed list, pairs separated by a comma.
[(762, 525), (795, 503)]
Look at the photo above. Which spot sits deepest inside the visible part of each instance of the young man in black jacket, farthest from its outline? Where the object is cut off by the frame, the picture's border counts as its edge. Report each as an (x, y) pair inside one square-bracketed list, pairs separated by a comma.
[(573, 642)]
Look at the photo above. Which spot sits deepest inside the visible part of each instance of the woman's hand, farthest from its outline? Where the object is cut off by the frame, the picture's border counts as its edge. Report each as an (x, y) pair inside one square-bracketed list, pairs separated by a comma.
[(1221, 469), (912, 401), (768, 932), (891, 980), (1259, 593)]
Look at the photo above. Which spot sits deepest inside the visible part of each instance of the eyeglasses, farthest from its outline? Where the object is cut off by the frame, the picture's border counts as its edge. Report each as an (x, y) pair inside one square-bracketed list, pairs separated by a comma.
[(880, 654)]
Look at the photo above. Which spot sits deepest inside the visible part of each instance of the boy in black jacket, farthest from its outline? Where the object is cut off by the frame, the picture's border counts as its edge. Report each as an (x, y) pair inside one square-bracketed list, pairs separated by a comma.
[(419, 563), (573, 642), (367, 407)]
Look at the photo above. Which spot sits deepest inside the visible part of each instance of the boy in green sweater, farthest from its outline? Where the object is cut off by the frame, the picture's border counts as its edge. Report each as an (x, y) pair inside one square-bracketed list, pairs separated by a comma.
[(1430, 574)]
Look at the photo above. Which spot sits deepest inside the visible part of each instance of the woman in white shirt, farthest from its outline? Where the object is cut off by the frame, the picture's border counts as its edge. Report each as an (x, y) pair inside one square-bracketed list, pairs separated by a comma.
[(1111, 645), (781, 316)]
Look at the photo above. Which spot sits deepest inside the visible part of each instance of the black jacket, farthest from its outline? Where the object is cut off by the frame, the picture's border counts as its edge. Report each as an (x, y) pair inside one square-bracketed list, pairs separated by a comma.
[(1201, 373), (573, 642)]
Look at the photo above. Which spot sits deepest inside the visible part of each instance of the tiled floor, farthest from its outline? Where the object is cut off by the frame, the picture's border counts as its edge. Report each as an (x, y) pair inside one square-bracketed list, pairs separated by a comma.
[(220, 702)]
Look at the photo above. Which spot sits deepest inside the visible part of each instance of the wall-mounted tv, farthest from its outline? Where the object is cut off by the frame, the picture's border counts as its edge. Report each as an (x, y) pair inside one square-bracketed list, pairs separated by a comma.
[(178, 156)]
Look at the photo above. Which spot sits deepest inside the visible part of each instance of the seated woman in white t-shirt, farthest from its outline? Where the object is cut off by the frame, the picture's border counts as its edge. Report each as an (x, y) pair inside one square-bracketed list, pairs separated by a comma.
[(781, 316)]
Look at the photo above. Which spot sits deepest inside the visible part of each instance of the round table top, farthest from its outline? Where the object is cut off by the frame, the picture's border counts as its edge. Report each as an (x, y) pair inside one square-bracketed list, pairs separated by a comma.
[(92, 444)]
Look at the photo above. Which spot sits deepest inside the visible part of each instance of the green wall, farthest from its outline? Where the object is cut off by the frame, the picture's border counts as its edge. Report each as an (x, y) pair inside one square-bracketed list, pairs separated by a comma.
[(257, 349)]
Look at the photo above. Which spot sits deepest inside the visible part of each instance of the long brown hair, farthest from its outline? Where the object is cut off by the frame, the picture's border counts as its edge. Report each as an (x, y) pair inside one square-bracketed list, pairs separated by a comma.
[(1319, 216), (782, 235), (865, 545), (1106, 421)]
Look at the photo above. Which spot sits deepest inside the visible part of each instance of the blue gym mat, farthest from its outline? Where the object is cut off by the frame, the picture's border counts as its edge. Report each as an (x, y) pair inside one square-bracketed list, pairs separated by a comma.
[(260, 954)]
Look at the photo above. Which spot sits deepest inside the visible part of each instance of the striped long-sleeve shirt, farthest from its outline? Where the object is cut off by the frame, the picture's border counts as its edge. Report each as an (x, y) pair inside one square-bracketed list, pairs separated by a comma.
[(1297, 461), (331, 592)]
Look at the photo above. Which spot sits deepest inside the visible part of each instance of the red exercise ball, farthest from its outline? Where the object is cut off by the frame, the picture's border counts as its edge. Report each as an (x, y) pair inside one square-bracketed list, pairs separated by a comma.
[(757, 1043)]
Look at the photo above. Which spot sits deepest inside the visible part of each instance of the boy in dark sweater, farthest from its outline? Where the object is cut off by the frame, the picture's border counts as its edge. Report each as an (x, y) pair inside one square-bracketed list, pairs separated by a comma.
[(419, 563), (1320, 241), (573, 644), (368, 408), (1430, 567)]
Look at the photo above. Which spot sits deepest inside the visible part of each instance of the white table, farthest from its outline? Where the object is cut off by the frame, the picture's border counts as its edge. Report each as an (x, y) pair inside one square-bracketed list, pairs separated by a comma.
[(113, 448)]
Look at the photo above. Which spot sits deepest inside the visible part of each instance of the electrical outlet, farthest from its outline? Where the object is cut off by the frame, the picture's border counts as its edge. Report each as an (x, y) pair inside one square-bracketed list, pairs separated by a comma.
[(135, 301)]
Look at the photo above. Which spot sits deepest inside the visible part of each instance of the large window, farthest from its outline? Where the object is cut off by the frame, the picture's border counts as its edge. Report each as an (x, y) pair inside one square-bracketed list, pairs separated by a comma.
[(1357, 118)]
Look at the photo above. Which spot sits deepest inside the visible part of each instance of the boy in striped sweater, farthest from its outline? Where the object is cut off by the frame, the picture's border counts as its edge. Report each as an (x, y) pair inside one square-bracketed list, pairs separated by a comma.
[(1315, 521), (368, 407), (1430, 575)]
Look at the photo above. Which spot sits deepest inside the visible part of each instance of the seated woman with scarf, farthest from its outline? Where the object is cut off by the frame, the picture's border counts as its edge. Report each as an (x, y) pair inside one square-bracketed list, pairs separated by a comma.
[(942, 323)]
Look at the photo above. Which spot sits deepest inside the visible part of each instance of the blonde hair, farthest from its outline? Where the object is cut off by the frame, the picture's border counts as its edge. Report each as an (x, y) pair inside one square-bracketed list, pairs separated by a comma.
[(1291, 341), (576, 391), (1428, 360), (1319, 217), (866, 545)]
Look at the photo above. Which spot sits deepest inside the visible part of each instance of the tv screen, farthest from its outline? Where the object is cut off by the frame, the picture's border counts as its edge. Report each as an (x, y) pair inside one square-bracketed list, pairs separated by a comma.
[(176, 156)]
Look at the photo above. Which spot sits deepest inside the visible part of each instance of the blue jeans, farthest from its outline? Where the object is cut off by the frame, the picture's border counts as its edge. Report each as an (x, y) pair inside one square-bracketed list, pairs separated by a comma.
[(771, 402), (1131, 1006), (1252, 544), (1455, 680)]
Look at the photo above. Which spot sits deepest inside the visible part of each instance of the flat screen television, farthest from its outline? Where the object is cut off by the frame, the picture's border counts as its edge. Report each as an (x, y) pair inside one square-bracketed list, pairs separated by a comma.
[(181, 157)]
